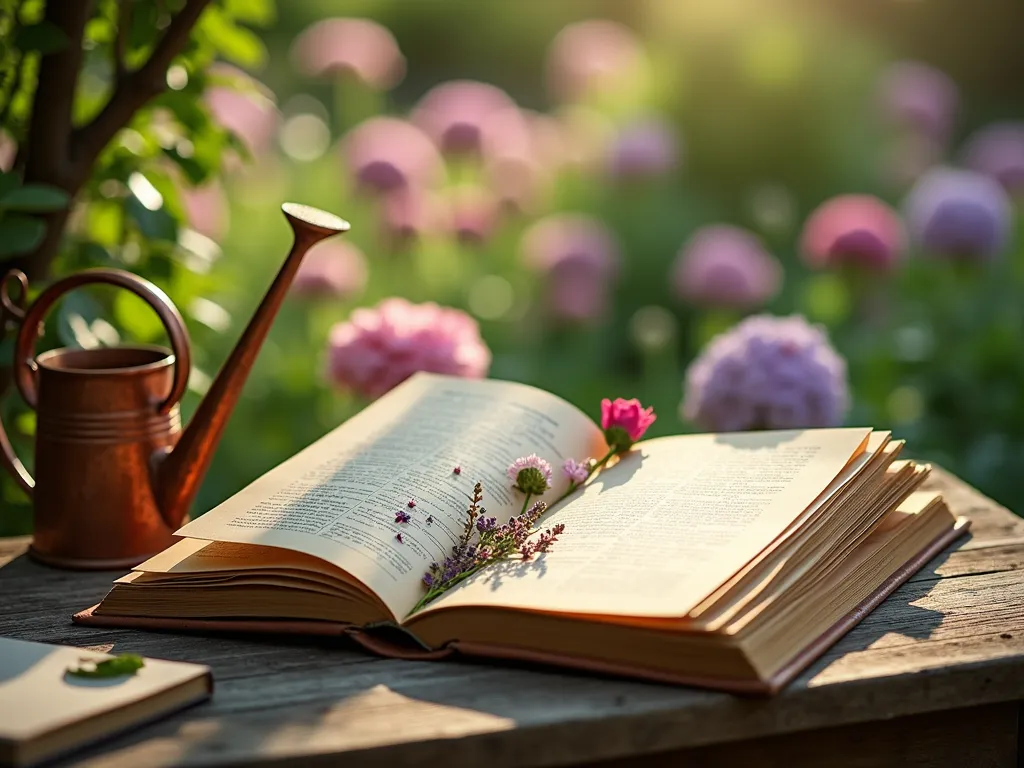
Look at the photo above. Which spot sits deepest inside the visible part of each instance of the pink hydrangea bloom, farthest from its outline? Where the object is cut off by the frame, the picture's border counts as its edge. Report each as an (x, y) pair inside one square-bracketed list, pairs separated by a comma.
[(920, 97), (534, 462), (857, 230), (380, 347), (243, 106), (644, 148), (206, 209), (579, 258), (767, 373), (587, 56), (726, 266), (333, 268), (576, 471), (361, 48), (385, 154), (998, 151), (465, 116), (625, 421)]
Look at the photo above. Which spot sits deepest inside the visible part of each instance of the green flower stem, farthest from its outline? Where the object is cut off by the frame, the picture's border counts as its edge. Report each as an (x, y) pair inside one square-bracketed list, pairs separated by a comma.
[(525, 502), (573, 486)]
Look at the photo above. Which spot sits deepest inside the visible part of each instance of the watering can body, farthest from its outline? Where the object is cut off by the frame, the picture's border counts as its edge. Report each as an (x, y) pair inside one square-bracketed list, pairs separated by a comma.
[(115, 473)]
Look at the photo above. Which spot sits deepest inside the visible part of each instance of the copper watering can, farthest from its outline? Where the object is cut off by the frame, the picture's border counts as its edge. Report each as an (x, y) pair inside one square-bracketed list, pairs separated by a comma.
[(115, 473)]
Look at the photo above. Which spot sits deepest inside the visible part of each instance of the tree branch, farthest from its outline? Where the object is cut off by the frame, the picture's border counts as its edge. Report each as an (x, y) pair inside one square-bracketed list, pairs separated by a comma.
[(124, 21), (50, 122), (135, 90)]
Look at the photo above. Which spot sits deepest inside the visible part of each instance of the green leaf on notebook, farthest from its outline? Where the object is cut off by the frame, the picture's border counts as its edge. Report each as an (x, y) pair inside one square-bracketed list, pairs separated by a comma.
[(124, 664)]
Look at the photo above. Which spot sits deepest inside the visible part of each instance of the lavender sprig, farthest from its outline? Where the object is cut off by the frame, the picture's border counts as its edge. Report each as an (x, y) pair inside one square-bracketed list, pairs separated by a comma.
[(492, 543)]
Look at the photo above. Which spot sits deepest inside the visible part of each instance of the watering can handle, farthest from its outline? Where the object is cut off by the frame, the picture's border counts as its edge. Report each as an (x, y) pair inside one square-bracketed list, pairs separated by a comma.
[(25, 368), (12, 310)]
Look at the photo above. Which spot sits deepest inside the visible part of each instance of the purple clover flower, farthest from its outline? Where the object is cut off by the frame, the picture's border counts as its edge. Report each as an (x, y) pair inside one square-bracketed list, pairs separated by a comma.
[(645, 148), (959, 214), (401, 516), (998, 151), (767, 373), (576, 471), (530, 474), (358, 48), (920, 97), (385, 154), (461, 115)]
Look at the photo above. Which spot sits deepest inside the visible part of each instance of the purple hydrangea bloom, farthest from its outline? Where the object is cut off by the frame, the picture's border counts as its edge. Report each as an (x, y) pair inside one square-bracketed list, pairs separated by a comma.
[(959, 214), (643, 149), (998, 151), (767, 373)]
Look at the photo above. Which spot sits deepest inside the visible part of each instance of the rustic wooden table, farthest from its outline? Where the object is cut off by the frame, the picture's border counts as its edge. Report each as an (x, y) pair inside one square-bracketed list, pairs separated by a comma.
[(933, 677)]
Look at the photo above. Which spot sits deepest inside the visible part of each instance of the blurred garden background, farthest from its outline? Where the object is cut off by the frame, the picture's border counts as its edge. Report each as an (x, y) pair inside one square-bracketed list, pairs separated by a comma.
[(603, 187)]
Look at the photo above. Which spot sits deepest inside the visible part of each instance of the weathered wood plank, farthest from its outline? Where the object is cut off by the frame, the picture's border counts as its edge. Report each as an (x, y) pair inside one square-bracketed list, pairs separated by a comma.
[(951, 637), (981, 737)]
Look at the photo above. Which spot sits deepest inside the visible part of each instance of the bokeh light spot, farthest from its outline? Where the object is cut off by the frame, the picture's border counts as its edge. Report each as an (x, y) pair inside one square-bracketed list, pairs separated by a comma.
[(905, 405), (653, 328), (773, 56), (305, 137), (491, 297)]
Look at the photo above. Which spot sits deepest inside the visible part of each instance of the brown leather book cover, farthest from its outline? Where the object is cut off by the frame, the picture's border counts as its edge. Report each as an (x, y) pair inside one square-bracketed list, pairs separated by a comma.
[(401, 645)]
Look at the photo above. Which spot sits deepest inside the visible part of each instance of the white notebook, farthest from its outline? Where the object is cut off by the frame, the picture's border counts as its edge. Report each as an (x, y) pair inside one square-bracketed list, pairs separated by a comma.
[(46, 712)]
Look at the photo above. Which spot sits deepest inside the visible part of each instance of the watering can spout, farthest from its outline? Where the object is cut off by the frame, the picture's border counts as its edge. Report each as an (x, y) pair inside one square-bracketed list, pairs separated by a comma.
[(181, 471)]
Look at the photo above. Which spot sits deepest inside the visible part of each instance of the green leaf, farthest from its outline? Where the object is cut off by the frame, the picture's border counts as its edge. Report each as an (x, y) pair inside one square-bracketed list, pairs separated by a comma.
[(137, 318), (45, 37), (123, 664), (237, 44), (20, 234), (8, 181), (259, 12), (35, 197)]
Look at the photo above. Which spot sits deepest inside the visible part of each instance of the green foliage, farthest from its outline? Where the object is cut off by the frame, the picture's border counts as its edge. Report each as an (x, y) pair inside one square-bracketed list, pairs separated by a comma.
[(21, 233), (116, 666)]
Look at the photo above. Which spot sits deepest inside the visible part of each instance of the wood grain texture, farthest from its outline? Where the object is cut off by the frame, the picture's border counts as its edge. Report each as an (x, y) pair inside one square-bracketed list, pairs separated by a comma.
[(951, 638)]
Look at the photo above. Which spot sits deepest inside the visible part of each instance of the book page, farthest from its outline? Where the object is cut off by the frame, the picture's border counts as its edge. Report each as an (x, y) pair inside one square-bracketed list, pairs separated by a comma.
[(338, 498), (655, 534)]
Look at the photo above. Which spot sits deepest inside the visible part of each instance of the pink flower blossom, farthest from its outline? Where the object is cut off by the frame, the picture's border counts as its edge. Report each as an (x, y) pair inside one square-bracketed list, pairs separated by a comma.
[(645, 148), (576, 471), (360, 48), (408, 214), (385, 154), (380, 347), (334, 268), (530, 474), (998, 151), (625, 421), (579, 258), (727, 267), (461, 115), (590, 56), (857, 230), (8, 151), (242, 106), (206, 209), (521, 184), (473, 214), (920, 97)]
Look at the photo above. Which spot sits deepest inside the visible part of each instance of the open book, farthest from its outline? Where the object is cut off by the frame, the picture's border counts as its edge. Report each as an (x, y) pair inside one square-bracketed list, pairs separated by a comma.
[(728, 561)]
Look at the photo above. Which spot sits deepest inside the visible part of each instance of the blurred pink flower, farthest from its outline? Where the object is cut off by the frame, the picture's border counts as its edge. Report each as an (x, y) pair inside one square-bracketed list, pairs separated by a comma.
[(644, 148), (385, 154), (854, 230), (460, 115), (920, 97), (332, 269), (408, 214), (361, 48), (206, 209), (520, 182), (998, 151), (727, 267), (8, 151), (579, 258), (589, 55), (473, 213), (243, 106), (380, 347)]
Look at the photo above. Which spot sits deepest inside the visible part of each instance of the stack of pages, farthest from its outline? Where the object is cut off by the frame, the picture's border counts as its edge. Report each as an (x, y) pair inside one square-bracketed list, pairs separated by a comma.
[(729, 561)]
